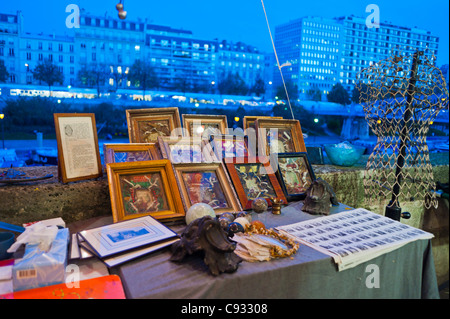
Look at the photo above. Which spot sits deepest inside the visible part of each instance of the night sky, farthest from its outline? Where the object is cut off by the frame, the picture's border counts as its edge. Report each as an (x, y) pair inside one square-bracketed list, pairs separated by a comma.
[(238, 20)]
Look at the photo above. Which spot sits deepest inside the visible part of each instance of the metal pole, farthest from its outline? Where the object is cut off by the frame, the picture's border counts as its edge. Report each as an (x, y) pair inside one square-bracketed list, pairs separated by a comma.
[(393, 209)]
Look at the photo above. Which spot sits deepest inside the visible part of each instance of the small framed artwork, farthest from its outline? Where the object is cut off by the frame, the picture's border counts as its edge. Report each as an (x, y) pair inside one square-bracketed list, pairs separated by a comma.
[(186, 150), (253, 177), (204, 125), (78, 149), (279, 136), (130, 152), (207, 183), (147, 188), (249, 121), (145, 125), (231, 146), (295, 174)]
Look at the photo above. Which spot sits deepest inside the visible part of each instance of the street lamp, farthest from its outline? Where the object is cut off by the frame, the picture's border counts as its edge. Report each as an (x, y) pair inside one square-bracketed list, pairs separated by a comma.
[(2, 116)]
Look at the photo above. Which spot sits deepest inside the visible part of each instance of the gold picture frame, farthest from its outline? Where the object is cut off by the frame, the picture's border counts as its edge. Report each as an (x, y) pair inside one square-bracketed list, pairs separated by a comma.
[(145, 188), (130, 152), (78, 149), (204, 125), (289, 137), (249, 120), (206, 183), (145, 125), (186, 149)]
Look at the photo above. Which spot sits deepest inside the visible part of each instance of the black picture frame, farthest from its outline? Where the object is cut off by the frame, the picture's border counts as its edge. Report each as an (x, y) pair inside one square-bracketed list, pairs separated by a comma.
[(285, 159)]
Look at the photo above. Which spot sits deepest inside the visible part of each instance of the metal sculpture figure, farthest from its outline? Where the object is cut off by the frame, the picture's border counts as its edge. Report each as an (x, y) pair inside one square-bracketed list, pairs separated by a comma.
[(401, 97)]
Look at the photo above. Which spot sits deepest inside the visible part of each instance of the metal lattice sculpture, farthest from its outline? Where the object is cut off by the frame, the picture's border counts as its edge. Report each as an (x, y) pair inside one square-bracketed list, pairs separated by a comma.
[(401, 97)]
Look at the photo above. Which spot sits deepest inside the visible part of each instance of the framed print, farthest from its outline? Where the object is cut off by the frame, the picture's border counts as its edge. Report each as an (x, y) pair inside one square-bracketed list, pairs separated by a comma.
[(279, 136), (253, 177), (231, 146), (206, 183), (78, 150), (144, 188), (145, 125), (295, 174), (249, 121), (204, 125), (186, 150), (130, 152)]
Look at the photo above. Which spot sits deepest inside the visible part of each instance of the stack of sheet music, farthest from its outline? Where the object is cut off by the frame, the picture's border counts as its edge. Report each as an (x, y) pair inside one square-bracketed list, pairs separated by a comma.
[(120, 242), (354, 236)]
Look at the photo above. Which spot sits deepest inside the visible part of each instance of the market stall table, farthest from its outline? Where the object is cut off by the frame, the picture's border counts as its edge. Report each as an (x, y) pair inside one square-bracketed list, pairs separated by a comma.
[(406, 272)]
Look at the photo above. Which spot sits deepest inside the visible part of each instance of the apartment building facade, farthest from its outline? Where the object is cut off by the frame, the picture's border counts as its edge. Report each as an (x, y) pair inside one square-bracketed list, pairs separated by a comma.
[(180, 60)]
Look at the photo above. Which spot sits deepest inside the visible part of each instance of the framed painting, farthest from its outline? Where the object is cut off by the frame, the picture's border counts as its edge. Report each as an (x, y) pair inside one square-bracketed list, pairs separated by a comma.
[(295, 174), (279, 136), (231, 146), (204, 125), (147, 188), (145, 125), (206, 183), (249, 121), (186, 150), (253, 177), (78, 149), (130, 152)]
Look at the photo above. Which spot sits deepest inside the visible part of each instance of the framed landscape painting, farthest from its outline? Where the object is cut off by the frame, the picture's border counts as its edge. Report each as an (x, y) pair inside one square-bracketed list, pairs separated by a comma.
[(279, 136), (78, 150), (140, 189), (204, 125), (145, 125), (295, 174), (130, 152), (207, 183), (253, 177)]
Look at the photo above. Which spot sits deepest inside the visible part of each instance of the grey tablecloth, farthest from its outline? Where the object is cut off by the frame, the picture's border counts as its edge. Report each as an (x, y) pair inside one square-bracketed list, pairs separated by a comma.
[(407, 272)]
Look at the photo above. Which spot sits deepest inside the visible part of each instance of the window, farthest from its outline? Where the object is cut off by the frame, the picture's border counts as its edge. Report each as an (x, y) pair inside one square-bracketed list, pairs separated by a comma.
[(60, 47)]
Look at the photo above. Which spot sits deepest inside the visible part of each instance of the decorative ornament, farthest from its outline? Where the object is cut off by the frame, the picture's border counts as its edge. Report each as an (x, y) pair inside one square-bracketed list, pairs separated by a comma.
[(259, 205), (276, 205), (120, 7), (199, 210), (246, 215), (205, 234), (243, 221)]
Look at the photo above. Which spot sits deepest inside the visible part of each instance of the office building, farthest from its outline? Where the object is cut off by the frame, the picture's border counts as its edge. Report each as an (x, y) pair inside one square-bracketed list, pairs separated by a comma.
[(320, 52)]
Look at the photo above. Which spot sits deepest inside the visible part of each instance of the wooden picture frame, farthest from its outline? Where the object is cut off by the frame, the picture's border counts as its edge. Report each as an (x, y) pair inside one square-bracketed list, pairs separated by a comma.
[(295, 174), (130, 152), (289, 137), (231, 146), (249, 120), (144, 188), (145, 125), (186, 150), (78, 149), (206, 183), (198, 125), (253, 177)]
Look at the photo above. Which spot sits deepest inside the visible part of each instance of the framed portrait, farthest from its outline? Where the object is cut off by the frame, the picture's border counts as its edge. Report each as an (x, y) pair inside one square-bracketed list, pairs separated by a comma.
[(253, 177), (279, 136), (295, 174), (186, 150), (204, 125), (249, 121), (206, 183), (78, 149), (130, 152), (147, 188), (231, 146), (145, 125)]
